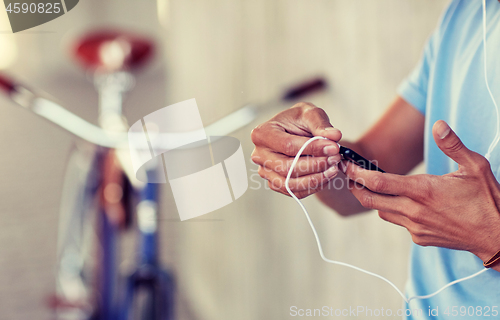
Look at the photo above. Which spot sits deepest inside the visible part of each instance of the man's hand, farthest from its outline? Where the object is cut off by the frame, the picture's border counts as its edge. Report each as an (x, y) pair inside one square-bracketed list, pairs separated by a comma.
[(459, 210), (278, 140)]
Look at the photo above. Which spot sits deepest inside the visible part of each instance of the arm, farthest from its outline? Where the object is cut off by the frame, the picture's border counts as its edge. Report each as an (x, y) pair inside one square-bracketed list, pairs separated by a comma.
[(395, 142)]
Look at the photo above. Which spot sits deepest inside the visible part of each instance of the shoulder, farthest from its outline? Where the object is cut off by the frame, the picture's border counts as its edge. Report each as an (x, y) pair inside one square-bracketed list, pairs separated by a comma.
[(456, 10), (456, 21)]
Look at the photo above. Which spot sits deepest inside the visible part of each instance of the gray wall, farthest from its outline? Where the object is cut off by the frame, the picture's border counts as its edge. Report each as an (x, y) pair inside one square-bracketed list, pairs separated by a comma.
[(257, 256)]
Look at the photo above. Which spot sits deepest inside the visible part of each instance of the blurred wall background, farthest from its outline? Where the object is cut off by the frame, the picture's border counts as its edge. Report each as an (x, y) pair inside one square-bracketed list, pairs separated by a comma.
[(255, 258)]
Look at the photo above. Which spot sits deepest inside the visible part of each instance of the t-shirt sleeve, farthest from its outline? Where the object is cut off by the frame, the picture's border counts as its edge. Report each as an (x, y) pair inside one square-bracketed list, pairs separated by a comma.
[(414, 88)]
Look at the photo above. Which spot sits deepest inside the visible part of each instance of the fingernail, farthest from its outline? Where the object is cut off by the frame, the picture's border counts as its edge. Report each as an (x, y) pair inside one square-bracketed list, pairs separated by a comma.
[(343, 167), (442, 130), (332, 129), (331, 172), (330, 150), (333, 160)]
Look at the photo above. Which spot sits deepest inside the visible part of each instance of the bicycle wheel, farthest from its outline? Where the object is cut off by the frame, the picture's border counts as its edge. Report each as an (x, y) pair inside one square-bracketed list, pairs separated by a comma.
[(149, 295), (92, 214), (73, 295)]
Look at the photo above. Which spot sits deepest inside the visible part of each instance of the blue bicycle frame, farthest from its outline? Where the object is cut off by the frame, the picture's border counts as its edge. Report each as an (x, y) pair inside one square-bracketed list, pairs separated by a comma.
[(149, 276)]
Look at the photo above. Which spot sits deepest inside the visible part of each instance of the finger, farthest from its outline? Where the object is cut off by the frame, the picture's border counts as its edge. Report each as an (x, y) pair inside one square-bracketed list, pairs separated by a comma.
[(281, 164), (311, 183), (394, 218), (317, 122), (385, 183), (274, 136), (447, 140), (383, 202)]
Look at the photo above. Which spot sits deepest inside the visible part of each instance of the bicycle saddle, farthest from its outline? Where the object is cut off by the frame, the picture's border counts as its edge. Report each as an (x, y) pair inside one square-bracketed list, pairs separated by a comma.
[(113, 50)]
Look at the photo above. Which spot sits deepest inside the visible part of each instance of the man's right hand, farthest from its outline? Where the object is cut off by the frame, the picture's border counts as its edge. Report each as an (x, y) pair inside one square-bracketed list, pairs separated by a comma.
[(278, 140)]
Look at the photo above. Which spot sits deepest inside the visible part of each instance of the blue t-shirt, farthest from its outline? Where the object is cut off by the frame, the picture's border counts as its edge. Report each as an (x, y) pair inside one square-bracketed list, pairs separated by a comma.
[(448, 83)]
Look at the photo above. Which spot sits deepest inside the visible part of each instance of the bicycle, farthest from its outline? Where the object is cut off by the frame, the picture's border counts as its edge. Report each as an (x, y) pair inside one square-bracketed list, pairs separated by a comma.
[(101, 196)]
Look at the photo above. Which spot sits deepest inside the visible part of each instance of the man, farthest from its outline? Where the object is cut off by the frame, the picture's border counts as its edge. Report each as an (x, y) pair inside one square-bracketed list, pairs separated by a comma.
[(453, 212)]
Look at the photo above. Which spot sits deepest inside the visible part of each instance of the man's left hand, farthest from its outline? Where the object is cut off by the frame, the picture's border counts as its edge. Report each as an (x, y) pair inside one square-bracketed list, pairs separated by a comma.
[(459, 210)]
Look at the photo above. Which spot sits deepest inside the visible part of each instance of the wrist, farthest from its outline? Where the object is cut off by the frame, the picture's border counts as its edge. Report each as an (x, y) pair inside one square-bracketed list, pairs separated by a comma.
[(490, 247), (486, 254)]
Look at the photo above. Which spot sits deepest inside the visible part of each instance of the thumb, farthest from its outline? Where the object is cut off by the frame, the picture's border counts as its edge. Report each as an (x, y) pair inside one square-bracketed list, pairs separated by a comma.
[(319, 124), (328, 132), (447, 140)]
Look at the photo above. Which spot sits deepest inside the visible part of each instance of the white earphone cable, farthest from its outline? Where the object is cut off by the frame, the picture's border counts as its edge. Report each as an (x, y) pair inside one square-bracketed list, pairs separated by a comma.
[(497, 135), (320, 248)]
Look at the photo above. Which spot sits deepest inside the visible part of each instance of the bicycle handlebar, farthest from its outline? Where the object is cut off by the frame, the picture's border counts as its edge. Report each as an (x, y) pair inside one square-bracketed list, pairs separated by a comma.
[(38, 103), (6, 84)]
